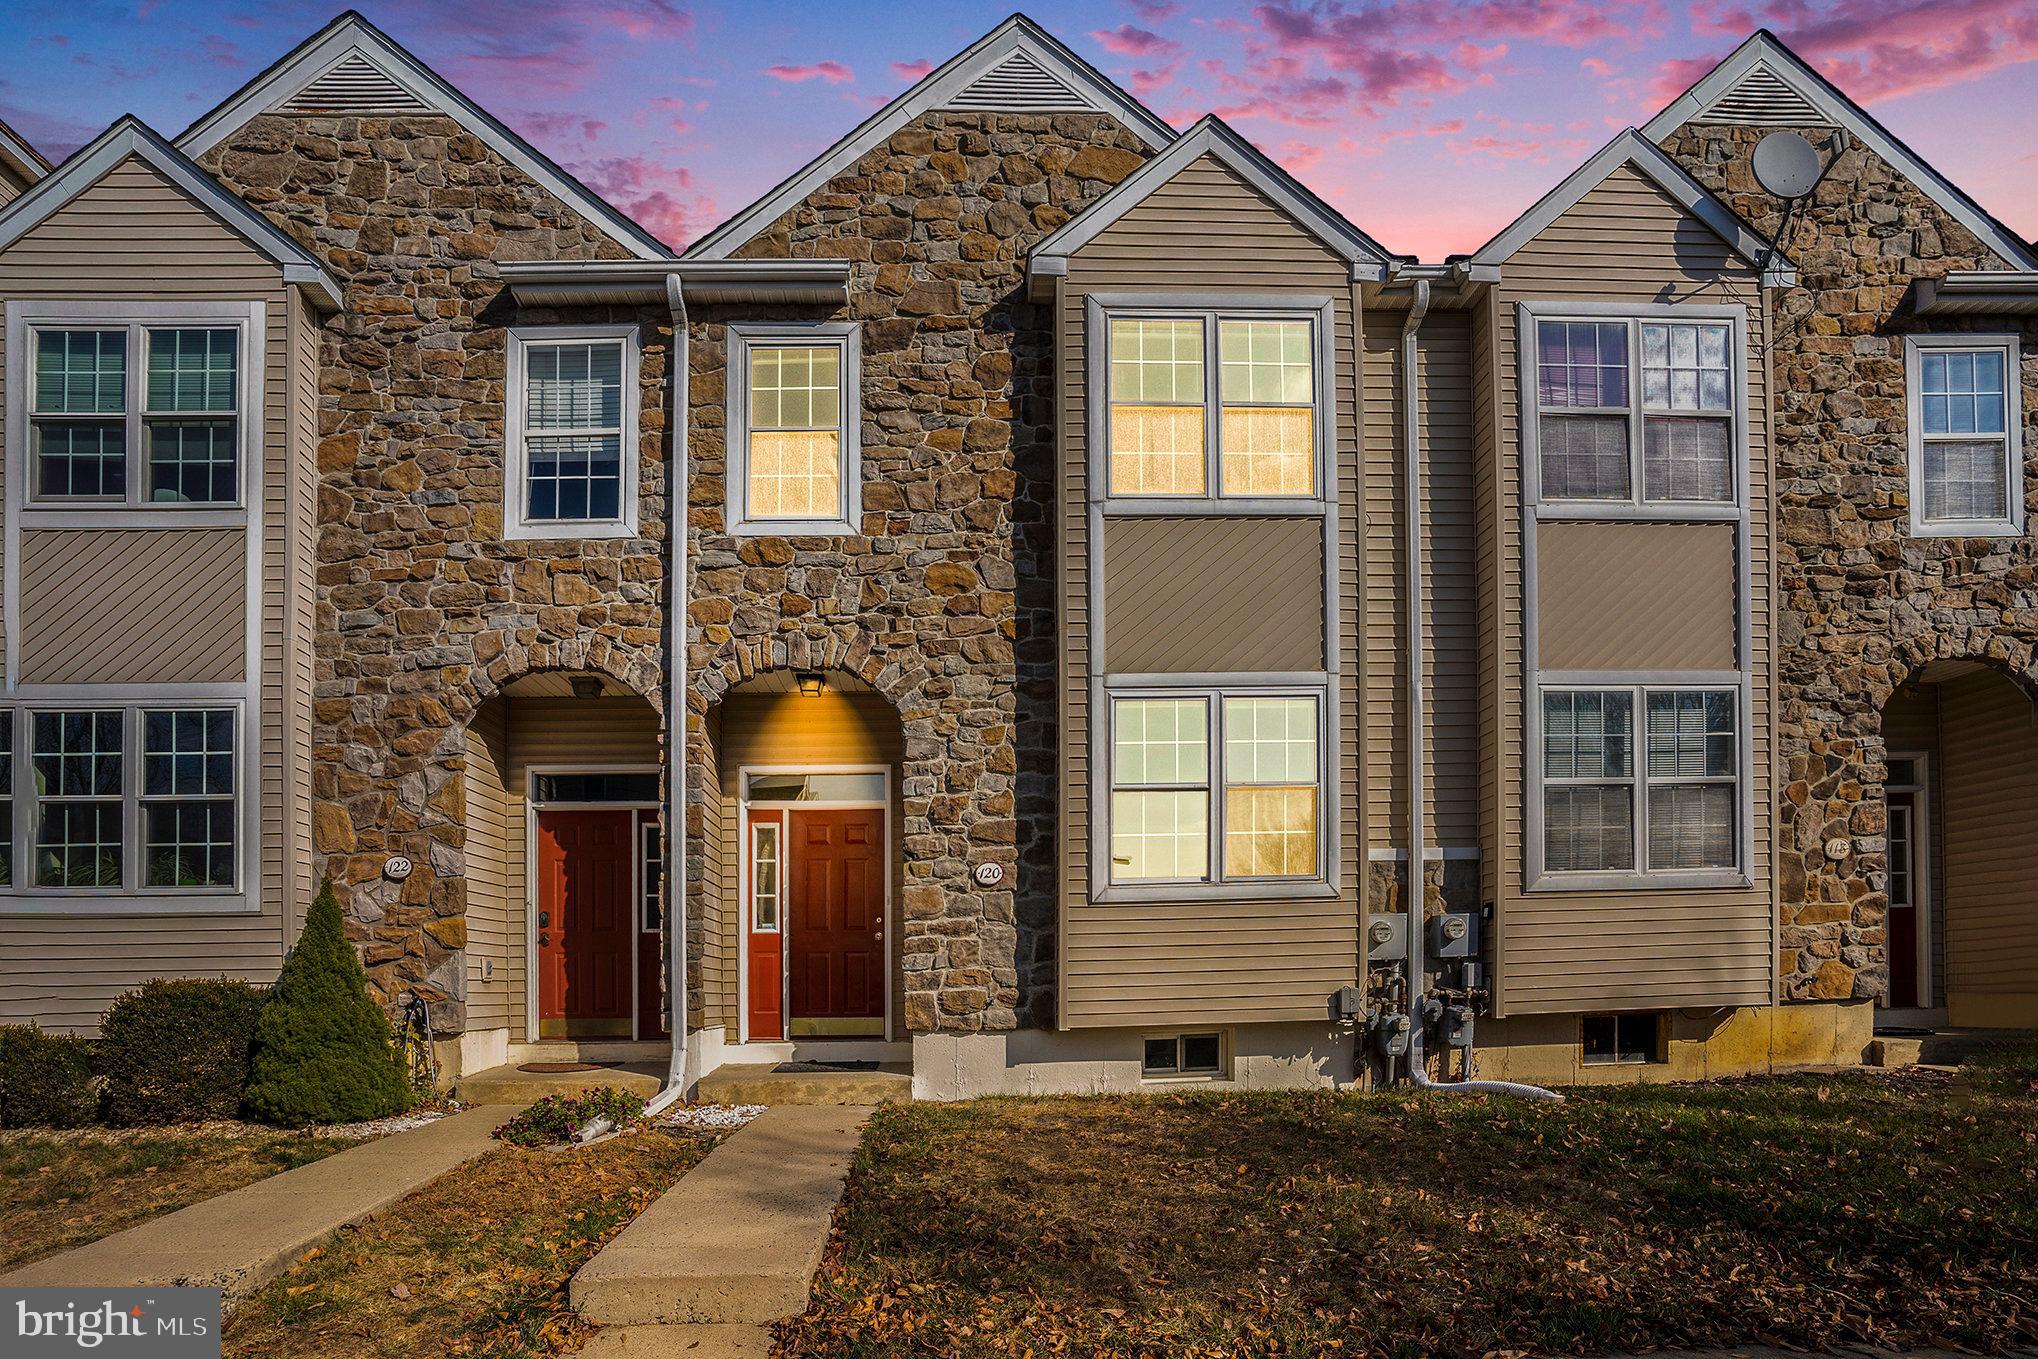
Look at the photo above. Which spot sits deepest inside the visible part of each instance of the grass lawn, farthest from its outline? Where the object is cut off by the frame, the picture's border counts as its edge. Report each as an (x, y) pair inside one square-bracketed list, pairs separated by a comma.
[(63, 1189), (475, 1263), (1898, 1209)]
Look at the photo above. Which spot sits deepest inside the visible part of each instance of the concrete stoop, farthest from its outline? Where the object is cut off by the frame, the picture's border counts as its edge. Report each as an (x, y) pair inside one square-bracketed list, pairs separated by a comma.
[(889, 1084), (513, 1085), (734, 1244), (679, 1342)]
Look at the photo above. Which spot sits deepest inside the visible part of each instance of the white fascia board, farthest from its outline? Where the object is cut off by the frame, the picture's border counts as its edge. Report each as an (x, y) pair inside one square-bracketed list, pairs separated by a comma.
[(933, 91), (351, 33), (1632, 148), (130, 137), (25, 160), (1369, 260), (1766, 49)]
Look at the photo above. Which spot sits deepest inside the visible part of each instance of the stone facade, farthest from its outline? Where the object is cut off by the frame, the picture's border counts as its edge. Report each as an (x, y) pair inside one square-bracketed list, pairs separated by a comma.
[(945, 601), (1862, 604), (423, 609)]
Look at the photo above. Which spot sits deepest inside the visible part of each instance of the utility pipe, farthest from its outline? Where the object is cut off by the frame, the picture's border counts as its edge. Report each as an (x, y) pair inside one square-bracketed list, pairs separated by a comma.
[(1411, 446)]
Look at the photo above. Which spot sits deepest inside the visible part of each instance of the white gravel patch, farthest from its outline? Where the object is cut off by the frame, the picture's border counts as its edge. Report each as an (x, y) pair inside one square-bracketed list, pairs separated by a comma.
[(383, 1127), (711, 1116)]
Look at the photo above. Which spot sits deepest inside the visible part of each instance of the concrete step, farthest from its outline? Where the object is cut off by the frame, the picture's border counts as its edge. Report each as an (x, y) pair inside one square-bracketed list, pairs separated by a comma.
[(1893, 1052), (738, 1239), (679, 1342), (513, 1085), (589, 1050), (889, 1084)]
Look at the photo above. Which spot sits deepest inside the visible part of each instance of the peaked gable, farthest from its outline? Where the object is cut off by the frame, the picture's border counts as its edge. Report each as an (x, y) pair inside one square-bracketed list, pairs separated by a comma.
[(1212, 138), (1634, 150), (351, 67), (1763, 83), (20, 159), (1017, 67), (129, 137)]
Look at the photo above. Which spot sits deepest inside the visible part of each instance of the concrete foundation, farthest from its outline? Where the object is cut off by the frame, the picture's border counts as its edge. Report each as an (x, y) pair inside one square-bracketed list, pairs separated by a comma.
[(1702, 1045), (1107, 1061)]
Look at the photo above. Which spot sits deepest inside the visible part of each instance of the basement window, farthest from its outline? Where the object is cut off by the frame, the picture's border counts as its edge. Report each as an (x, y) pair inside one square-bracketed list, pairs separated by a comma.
[(1183, 1054), (1622, 1040)]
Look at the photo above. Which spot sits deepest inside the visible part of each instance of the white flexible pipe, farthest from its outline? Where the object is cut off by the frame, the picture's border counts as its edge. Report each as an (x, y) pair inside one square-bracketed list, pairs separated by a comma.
[(1411, 441)]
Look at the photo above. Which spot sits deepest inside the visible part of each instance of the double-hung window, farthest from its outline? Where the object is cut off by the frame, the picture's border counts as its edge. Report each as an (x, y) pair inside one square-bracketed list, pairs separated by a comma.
[(794, 441), (136, 414), (126, 798), (1603, 435), (1640, 780), (1216, 787), (572, 433), (1966, 435)]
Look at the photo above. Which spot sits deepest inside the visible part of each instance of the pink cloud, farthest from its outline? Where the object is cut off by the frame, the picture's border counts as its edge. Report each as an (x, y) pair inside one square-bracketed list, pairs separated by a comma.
[(834, 72), (912, 70), (660, 197), (1153, 11), (1146, 84), (1597, 66), (1128, 41), (557, 128)]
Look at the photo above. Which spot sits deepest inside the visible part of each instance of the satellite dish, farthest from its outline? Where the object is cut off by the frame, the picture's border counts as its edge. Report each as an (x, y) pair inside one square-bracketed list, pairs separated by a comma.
[(1786, 165)]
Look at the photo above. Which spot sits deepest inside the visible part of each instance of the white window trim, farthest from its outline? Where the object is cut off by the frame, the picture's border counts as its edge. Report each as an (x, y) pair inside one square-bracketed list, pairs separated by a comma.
[(1213, 690), (24, 318), (23, 897), (516, 523), (1639, 687), (1636, 505), (846, 338), (1915, 347), (1101, 309)]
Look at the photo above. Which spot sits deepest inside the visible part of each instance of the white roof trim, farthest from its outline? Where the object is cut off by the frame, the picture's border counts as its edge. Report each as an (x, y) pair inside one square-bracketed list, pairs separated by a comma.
[(1766, 50), (351, 34), (24, 159), (938, 90), (1211, 137), (130, 137), (1632, 148)]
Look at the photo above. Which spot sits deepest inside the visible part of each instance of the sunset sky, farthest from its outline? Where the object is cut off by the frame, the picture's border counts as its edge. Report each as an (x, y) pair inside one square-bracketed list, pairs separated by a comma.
[(1431, 123)]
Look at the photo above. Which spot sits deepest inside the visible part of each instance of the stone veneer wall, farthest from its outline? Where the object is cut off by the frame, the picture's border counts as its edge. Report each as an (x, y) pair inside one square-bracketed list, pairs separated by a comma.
[(423, 611), (1862, 604), (945, 602)]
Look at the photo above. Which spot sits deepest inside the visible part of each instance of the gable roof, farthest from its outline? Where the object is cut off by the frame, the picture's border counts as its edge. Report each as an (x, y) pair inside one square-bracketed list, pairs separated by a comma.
[(27, 163), (1632, 148), (1212, 137), (1017, 66), (1762, 82), (352, 67), (129, 136)]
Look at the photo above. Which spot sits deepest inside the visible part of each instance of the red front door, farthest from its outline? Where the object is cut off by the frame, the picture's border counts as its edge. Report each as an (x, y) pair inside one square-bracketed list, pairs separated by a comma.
[(836, 909), (586, 923)]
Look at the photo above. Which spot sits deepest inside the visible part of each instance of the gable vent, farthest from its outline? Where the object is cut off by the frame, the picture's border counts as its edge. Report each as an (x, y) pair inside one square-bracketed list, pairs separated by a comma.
[(356, 85), (1019, 84), (1763, 98)]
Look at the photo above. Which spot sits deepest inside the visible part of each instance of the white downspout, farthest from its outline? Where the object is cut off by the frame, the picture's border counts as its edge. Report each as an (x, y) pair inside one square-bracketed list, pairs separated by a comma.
[(1411, 445)]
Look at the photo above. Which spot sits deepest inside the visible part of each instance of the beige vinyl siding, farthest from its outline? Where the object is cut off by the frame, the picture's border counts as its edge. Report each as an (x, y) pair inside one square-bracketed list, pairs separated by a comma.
[(134, 237), (1625, 241), (796, 731), (1205, 595), (1989, 740), (1910, 725), (1206, 231), (297, 555), (12, 186), (494, 928), (1636, 596), (1450, 593), (95, 610), (710, 893)]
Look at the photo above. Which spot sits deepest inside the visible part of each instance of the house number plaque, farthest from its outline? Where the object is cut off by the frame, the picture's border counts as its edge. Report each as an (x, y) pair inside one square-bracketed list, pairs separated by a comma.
[(988, 875), (398, 868)]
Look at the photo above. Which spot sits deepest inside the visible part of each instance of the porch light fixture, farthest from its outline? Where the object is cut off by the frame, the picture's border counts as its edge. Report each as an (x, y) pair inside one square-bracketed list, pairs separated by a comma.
[(585, 686), (809, 682)]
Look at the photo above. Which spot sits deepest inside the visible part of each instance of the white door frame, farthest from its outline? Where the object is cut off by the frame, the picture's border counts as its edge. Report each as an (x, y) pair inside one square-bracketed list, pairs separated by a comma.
[(532, 807), (1921, 862), (744, 806)]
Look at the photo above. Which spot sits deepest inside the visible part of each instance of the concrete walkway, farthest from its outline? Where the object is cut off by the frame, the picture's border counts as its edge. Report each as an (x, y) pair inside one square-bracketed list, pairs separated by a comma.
[(242, 1239), (729, 1249)]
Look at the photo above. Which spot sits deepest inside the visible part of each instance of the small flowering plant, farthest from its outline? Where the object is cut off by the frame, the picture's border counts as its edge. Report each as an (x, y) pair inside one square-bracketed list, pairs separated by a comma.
[(554, 1119)]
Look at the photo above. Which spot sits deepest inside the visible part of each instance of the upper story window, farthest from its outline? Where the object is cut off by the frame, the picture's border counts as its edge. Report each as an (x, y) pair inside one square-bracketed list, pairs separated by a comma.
[(136, 414), (1213, 405), (1966, 435), (1665, 439), (571, 465), (795, 464)]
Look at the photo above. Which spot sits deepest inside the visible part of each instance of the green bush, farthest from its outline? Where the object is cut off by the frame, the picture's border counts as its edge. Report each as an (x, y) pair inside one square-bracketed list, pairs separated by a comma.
[(45, 1079), (555, 1118), (322, 1046), (177, 1051)]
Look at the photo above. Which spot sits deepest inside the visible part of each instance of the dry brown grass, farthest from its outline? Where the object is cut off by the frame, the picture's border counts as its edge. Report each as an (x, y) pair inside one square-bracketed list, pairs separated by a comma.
[(62, 1189)]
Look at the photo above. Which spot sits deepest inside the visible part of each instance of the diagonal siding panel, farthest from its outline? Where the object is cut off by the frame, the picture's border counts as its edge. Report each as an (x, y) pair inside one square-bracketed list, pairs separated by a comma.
[(133, 606), (1636, 596), (1190, 595)]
